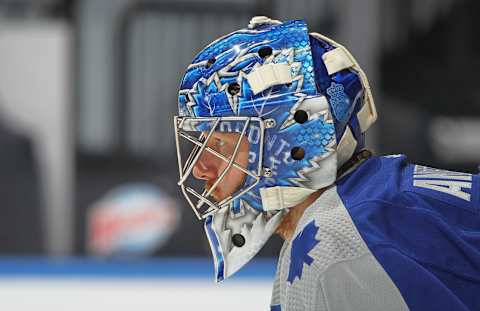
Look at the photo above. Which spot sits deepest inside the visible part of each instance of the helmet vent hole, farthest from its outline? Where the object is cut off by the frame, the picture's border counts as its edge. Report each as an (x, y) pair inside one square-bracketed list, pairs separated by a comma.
[(300, 116), (238, 240), (210, 62), (297, 153), (265, 51), (233, 89)]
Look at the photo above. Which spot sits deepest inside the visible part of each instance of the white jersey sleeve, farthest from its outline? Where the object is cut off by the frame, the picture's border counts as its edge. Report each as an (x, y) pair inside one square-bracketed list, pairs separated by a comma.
[(327, 265)]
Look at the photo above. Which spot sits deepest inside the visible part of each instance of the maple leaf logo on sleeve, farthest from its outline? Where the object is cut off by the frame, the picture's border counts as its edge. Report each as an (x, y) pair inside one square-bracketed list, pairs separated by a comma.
[(303, 243)]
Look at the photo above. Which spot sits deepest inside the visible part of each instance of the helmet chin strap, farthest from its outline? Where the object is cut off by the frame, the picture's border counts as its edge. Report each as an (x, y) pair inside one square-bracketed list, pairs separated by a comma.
[(322, 175), (279, 198)]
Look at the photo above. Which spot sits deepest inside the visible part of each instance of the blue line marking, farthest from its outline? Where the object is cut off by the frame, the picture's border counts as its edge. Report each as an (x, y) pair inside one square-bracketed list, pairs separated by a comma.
[(170, 267)]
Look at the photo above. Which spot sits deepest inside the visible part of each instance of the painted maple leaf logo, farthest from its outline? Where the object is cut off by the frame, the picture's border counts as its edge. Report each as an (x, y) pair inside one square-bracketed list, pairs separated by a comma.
[(303, 243)]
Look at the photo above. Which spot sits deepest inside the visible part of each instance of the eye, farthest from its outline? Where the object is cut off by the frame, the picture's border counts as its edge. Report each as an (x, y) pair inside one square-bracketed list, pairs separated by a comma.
[(220, 143)]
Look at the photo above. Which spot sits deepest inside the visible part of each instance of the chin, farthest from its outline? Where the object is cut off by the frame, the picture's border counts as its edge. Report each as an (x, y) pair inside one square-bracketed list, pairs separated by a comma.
[(216, 196), (219, 197)]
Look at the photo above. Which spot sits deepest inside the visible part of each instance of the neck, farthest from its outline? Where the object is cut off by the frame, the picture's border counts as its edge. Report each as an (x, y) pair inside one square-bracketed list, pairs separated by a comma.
[(287, 227)]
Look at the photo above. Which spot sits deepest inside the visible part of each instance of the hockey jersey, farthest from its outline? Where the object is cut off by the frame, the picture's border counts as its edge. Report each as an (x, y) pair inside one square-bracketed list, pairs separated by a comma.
[(388, 236)]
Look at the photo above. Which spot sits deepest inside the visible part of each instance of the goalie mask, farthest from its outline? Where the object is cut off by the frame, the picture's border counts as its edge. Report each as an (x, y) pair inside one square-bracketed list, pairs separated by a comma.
[(267, 115)]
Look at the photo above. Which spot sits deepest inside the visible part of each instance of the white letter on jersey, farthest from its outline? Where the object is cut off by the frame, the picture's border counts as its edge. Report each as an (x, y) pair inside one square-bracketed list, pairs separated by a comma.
[(443, 181), (451, 187)]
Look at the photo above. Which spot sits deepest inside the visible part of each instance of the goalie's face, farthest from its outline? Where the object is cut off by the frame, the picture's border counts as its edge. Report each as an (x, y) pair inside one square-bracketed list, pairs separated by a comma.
[(219, 160), (210, 166)]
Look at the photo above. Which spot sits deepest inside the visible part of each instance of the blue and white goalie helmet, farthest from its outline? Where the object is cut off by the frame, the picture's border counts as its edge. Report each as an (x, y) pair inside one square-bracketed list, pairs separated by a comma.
[(278, 110)]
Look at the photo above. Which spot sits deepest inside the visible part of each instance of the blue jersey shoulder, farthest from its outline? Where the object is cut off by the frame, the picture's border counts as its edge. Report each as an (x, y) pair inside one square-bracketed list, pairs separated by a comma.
[(423, 226), (393, 179)]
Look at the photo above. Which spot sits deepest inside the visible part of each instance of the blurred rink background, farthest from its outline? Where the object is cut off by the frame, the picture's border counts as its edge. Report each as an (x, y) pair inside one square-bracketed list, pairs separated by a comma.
[(90, 215)]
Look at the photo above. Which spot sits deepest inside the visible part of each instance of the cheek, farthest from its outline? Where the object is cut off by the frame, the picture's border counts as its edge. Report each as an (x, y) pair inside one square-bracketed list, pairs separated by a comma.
[(231, 182), (220, 166), (242, 156), (234, 177)]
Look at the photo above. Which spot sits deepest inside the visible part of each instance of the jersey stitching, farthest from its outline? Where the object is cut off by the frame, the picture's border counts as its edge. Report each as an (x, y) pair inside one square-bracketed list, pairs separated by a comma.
[(367, 253), (409, 255), (327, 306), (426, 263), (474, 210), (402, 206)]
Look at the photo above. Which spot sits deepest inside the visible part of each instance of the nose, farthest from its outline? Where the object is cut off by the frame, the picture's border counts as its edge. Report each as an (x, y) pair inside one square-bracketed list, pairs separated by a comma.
[(203, 170)]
